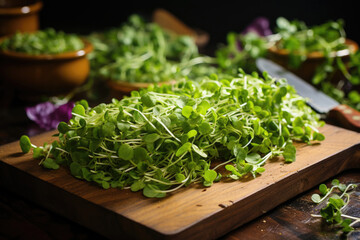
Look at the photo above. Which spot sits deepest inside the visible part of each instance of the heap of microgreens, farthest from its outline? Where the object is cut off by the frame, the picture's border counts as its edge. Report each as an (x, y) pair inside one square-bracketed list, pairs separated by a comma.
[(333, 212), (162, 138)]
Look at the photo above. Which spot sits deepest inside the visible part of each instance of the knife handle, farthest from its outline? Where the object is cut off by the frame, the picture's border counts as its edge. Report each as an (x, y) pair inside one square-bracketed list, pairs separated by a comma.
[(346, 117)]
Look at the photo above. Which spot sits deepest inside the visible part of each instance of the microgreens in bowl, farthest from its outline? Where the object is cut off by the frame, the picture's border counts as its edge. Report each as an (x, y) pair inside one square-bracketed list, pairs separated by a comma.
[(47, 41), (298, 41)]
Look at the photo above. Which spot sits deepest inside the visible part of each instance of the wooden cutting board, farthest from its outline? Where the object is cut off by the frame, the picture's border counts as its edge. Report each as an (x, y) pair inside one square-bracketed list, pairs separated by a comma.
[(194, 212)]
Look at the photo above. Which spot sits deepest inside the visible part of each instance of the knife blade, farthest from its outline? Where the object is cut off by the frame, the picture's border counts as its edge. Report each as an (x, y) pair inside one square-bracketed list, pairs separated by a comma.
[(344, 115)]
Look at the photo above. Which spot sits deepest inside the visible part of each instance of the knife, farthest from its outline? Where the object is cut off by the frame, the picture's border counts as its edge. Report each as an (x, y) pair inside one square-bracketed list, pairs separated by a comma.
[(344, 115)]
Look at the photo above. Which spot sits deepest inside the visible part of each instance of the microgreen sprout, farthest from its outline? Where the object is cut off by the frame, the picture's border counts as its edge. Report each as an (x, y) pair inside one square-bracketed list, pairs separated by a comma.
[(165, 137), (333, 212)]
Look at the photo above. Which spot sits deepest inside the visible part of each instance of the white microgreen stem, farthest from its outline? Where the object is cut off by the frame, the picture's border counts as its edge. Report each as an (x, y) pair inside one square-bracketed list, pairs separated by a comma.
[(47, 155), (135, 140), (224, 163), (62, 150), (327, 194), (265, 158), (176, 188), (78, 115), (348, 188), (171, 134), (354, 222), (107, 150), (146, 119)]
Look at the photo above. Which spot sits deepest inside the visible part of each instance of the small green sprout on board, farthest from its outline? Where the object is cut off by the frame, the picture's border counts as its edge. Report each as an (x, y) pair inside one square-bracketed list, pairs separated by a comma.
[(165, 137), (333, 212)]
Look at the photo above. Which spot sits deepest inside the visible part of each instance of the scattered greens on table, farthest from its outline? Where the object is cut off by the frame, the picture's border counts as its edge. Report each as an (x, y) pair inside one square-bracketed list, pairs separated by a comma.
[(47, 41), (141, 51), (334, 210), (241, 50), (162, 138)]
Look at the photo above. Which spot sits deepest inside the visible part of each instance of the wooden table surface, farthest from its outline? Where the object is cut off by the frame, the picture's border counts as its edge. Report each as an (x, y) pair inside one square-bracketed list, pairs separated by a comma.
[(23, 219)]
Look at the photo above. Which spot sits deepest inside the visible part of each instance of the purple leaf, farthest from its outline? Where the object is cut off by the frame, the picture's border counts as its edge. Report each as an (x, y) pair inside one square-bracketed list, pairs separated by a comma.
[(260, 26), (48, 115)]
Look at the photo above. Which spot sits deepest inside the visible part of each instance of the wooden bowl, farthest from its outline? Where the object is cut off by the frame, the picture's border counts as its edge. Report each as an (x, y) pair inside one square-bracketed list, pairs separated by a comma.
[(119, 89), (19, 18), (45, 74), (314, 59)]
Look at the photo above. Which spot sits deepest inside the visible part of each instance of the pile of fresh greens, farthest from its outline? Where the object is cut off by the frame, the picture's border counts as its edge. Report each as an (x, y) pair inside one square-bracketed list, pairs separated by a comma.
[(141, 51), (47, 41), (334, 210), (162, 138)]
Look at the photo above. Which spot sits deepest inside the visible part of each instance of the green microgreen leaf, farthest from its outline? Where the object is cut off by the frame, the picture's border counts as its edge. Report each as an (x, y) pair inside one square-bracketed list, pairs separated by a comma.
[(183, 149), (147, 100), (180, 177), (50, 163), (63, 127), (186, 111), (150, 138), (140, 154), (203, 107), (316, 198), (79, 109), (38, 152), (25, 144), (137, 186), (126, 152), (199, 151), (289, 153), (323, 189), (253, 158), (152, 191), (191, 133), (209, 177), (75, 169), (205, 128)]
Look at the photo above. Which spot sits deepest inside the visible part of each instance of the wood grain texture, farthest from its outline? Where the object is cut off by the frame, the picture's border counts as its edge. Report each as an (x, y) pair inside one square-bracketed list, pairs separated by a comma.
[(194, 212)]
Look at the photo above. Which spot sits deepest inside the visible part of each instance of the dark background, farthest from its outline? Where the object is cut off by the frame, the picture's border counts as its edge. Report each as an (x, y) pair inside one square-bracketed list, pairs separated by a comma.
[(215, 17)]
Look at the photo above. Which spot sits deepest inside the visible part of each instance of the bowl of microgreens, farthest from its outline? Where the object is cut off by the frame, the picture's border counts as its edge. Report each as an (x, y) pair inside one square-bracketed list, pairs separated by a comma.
[(139, 53), (19, 15), (45, 62), (311, 52), (334, 68)]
